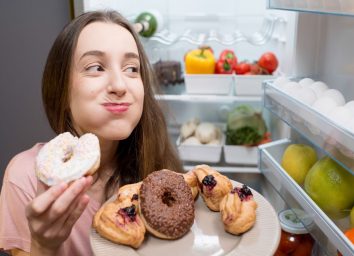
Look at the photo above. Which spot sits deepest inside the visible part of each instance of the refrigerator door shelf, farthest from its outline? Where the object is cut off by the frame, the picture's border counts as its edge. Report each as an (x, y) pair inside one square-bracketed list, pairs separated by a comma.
[(336, 7), (326, 231), (336, 141)]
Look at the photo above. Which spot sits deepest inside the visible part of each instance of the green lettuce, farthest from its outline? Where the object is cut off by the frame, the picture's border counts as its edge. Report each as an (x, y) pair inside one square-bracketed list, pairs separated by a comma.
[(245, 126)]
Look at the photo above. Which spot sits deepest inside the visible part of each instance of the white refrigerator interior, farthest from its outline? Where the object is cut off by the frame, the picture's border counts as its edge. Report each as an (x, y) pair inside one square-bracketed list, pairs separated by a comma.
[(312, 39)]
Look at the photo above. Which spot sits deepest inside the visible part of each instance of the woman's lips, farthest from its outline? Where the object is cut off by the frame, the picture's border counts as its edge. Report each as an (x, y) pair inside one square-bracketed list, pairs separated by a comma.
[(116, 107)]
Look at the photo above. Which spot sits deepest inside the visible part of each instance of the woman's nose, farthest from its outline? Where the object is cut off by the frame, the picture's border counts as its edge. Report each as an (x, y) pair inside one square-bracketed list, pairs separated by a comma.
[(117, 84)]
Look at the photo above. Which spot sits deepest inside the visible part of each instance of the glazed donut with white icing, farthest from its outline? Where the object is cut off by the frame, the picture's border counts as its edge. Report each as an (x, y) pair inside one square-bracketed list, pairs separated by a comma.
[(66, 158)]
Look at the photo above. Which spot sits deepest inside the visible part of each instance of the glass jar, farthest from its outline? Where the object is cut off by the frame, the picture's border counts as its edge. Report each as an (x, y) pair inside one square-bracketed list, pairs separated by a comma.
[(295, 239)]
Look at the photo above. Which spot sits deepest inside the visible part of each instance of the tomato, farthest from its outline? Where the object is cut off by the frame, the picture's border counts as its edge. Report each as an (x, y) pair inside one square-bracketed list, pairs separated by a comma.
[(242, 68), (266, 138), (256, 69), (268, 61)]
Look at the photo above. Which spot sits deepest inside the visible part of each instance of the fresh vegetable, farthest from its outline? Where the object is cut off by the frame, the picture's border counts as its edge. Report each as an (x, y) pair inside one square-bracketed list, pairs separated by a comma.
[(266, 138), (242, 68), (268, 61), (206, 47), (245, 126), (200, 61), (228, 56), (256, 69), (223, 67)]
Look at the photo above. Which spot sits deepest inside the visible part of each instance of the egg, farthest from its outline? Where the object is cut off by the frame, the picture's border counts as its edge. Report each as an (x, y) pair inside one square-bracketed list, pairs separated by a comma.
[(350, 106), (340, 115), (306, 82), (280, 81), (291, 88), (319, 88), (324, 105), (336, 95), (306, 95), (350, 126)]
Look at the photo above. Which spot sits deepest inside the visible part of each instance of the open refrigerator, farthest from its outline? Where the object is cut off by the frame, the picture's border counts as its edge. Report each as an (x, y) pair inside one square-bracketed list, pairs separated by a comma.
[(311, 39)]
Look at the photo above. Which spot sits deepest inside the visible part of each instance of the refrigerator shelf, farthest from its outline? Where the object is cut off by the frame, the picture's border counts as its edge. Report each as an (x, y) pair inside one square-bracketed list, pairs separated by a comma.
[(340, 7), (207, 98), (266, 33), (327, 232), (336, 141), (216, 88)]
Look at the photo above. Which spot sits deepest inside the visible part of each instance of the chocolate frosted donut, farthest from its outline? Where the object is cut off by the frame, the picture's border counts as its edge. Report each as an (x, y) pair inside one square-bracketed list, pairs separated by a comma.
[(166, 204)]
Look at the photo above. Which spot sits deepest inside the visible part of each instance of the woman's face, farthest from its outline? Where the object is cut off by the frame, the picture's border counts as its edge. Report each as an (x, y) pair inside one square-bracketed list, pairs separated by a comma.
[(106, 89)]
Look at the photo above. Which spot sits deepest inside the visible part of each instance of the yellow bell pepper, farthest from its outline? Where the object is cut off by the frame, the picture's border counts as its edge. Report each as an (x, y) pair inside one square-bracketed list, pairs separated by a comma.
[(200, 61)]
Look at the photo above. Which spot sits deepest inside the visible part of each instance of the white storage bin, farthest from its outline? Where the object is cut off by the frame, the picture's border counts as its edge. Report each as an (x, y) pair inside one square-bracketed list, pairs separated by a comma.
[(241, 154), (209, 84), (250, 84), (203, 153)]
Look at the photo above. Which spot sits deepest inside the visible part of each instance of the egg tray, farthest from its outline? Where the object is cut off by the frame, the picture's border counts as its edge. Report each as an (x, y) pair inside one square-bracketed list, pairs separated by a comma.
[(336, 141)]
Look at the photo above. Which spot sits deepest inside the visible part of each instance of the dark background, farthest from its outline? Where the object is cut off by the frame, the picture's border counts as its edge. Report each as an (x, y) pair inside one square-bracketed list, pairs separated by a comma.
[(27, 31)]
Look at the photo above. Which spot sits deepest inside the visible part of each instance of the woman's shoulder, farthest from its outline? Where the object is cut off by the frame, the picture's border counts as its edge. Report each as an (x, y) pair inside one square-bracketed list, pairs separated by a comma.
[(20, 170)]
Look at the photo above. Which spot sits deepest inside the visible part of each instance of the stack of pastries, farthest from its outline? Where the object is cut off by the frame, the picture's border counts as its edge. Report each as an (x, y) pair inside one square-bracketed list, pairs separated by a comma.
[(163, 204)]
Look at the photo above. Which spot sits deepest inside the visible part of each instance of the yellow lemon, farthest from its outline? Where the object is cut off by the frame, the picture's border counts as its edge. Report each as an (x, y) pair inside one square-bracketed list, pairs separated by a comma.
[(297, 161)]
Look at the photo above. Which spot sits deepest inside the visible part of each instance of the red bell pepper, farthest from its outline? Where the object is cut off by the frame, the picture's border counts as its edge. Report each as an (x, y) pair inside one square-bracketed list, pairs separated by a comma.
[(223, 67), (229, 56)]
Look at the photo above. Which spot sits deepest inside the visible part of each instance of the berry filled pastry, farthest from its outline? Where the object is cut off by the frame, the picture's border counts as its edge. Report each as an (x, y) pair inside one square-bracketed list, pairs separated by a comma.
[(119, 221), (238, 210), (130, 193), (192, 181), (213, 186)]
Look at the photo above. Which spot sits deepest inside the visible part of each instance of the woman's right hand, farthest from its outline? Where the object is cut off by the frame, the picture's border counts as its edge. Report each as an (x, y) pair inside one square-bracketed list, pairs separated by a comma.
[(52, 214)]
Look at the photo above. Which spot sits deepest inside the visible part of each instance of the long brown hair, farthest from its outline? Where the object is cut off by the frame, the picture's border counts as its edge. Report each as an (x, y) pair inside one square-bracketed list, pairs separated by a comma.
[(148, 148)]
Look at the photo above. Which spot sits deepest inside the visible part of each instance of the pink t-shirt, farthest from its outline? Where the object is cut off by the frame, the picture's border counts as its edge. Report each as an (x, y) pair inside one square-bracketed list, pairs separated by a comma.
[(19, 188)]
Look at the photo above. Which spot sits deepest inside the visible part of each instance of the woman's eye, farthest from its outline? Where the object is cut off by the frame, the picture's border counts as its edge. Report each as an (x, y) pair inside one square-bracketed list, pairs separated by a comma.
[(132, 69), (95, 68)]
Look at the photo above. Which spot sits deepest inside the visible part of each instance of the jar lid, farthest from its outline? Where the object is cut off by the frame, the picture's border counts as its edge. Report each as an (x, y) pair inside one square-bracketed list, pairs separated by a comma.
[(291, 223)]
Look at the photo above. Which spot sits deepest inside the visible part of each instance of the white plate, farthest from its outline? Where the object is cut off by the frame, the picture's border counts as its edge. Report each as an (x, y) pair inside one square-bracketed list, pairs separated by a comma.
[(206, 237)]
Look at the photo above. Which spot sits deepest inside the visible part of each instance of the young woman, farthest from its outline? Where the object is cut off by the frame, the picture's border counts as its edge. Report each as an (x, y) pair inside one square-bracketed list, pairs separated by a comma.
[(97, 79)]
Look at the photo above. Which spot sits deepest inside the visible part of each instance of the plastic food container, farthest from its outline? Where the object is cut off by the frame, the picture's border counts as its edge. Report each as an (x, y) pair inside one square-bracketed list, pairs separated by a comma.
[(200, 153), (209, 84), (241, 154), (295, 239), (250, 84)]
